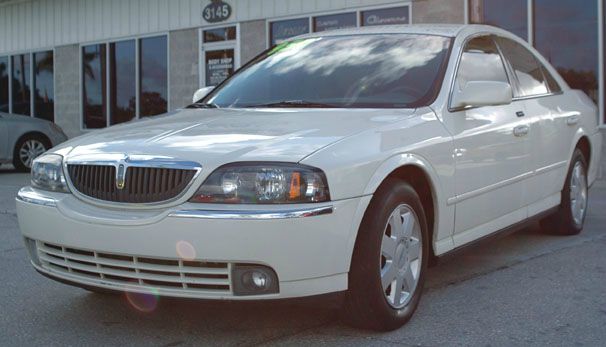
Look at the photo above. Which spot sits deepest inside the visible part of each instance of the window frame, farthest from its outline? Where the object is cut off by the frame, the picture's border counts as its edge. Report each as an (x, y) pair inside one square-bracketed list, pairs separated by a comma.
[(9, 56), (107, 76), (357, 10)]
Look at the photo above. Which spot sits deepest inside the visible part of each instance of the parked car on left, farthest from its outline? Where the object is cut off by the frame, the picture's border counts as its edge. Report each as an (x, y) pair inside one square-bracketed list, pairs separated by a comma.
[(23, 138)]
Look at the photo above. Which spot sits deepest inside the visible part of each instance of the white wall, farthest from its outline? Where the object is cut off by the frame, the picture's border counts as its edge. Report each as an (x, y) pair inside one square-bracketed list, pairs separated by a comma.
[(34, 24)]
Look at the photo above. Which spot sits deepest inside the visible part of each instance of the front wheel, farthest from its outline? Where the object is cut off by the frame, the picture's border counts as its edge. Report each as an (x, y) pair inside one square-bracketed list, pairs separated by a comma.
[(390, 260), (570, 216)]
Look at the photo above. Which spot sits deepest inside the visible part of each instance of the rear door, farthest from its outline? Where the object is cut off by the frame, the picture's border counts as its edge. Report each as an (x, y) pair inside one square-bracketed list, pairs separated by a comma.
[(550, 135), (492, 151)]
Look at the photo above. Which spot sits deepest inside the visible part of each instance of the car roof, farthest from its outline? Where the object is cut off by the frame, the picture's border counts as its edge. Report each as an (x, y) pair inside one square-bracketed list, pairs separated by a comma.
[(447, 30)]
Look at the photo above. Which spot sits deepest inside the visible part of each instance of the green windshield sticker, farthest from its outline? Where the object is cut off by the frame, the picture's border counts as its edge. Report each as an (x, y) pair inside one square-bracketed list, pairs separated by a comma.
[(292, 44)]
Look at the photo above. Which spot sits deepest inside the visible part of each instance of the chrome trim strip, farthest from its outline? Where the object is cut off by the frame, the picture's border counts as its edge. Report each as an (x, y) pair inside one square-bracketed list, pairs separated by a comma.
[(29, 195), (253, 214), (474, 193), (501, 184)]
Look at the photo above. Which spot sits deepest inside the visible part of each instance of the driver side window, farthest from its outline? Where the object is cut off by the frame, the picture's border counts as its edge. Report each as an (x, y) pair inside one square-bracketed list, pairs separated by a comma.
[(480, 61)]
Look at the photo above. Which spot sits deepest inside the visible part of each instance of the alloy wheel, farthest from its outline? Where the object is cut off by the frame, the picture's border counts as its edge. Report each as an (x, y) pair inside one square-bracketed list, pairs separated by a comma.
[(578, 193), (401, 255), (29, 151)]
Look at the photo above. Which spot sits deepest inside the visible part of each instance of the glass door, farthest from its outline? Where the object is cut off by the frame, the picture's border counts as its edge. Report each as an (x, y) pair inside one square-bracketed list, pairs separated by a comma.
[(220, 55)]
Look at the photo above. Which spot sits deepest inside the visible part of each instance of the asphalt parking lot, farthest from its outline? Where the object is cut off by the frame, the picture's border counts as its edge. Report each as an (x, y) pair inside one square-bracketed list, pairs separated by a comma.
[(525, 288)]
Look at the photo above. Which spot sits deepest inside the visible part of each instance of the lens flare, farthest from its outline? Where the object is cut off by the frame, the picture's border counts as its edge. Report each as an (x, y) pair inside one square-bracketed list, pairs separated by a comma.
[(186, 251), (144, 302)]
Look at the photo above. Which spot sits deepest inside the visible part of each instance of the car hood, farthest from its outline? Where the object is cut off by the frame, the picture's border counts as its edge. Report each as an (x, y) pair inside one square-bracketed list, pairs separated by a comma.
[(213, 137)]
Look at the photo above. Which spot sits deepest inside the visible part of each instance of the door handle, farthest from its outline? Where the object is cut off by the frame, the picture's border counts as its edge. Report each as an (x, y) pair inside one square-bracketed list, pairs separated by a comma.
[(572, 119), (521, 130)]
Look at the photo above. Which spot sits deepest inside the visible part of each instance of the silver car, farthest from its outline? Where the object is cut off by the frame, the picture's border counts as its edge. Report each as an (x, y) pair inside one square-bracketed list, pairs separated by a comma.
[(24, 138)]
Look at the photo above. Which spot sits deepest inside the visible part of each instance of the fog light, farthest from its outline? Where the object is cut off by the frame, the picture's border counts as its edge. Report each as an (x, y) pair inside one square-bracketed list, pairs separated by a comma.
[(254, 280), (32, 250)]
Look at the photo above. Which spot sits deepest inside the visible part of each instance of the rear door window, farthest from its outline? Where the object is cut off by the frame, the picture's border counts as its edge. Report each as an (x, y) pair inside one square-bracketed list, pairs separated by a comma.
[(526, 68)]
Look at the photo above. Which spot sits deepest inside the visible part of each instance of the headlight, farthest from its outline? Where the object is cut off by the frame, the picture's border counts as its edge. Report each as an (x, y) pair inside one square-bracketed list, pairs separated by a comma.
[(264, 183), (47, 173)]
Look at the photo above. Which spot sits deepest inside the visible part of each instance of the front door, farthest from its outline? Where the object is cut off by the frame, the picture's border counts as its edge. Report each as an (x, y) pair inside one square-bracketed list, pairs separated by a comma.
[(492, 151), (220, 56)]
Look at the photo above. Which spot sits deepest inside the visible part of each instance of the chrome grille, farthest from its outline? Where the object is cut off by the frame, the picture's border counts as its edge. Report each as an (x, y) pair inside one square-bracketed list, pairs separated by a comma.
[(121, 270), (141, 184)]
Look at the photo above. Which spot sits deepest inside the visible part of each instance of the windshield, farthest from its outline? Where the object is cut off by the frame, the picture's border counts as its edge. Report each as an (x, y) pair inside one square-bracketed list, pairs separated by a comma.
[(374, 71)]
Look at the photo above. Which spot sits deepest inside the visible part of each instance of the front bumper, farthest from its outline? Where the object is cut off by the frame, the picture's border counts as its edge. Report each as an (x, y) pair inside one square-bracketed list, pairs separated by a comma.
[(188, 252)]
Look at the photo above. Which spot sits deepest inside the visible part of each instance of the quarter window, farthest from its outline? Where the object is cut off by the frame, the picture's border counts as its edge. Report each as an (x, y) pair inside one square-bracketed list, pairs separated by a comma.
[(480, 61), (528, 72)]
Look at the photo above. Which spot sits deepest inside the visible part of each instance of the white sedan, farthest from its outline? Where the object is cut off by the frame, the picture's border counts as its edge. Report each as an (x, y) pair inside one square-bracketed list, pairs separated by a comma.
[(339, 162)]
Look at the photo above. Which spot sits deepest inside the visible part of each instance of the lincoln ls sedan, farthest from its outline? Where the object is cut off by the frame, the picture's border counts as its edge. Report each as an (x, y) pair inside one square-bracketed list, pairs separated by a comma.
[(340, 163)]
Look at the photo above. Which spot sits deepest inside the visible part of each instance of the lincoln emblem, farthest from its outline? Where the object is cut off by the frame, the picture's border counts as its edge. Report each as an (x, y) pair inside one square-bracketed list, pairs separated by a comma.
[(120, 174)]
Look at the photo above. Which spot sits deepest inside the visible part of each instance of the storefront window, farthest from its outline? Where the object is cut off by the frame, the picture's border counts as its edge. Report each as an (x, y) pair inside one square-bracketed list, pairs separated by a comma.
[(21, 84), (510, 15), (44, 91), (123, 81), (285, 29), (3, 84), (386, 16), (335, 21), (567, 35), (94, 87), (153, 66), (220, 35)]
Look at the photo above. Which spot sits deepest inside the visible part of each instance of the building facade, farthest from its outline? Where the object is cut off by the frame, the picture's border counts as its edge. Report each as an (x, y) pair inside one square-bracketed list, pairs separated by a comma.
[(88, 64)]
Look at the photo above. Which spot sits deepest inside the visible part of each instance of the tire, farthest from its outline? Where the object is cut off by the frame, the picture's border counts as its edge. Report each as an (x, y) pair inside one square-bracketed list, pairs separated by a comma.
[(570, 216), (367, 304), (27, 149)]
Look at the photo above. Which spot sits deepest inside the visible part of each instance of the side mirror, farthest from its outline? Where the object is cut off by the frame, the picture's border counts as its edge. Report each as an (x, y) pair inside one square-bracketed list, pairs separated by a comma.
[(201, 93), (483, 93)]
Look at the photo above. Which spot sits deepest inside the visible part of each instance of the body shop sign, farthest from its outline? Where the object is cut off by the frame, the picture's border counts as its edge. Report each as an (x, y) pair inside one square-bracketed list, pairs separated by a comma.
[(216, 11)]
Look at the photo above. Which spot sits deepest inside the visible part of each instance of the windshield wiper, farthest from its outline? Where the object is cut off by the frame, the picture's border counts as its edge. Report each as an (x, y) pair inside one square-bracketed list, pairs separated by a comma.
[(295, 104), (202, 105)]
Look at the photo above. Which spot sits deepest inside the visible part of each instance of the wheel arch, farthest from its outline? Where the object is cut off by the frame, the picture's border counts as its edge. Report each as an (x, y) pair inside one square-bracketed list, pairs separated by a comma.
[(416, 171)]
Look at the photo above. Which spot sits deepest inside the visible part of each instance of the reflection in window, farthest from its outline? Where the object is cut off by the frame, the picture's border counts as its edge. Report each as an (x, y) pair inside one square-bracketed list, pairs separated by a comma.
[(94, 86), (527, 70), (511, 15), (154, 76), (21, 84), (335, 21), (285, 29), (123, 81), (219, 35), (385, 71), (44, 91), (481, 61), (3, 84), (575, 51)]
